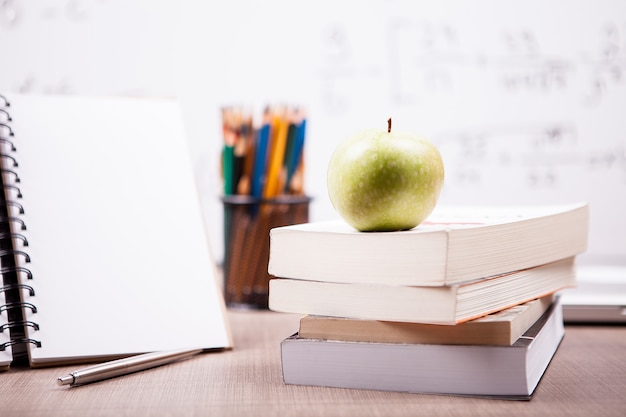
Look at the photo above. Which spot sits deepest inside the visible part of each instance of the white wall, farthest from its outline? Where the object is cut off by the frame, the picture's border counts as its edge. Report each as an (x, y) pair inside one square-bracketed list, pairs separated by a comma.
[(526, 100)]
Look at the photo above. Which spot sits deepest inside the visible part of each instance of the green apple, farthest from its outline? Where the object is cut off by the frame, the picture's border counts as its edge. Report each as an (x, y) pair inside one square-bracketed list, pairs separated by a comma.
[(379, 180)]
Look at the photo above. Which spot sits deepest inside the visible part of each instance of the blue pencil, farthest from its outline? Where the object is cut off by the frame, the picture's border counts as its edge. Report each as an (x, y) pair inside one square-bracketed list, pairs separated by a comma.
[(296, 154), (260, 160)]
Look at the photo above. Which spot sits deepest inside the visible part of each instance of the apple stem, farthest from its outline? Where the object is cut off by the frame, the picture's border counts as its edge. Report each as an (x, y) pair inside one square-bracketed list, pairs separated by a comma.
[(389, 125)]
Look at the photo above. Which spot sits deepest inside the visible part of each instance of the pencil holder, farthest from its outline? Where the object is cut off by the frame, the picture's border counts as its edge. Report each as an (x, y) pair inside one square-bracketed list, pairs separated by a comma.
[(247, 224)]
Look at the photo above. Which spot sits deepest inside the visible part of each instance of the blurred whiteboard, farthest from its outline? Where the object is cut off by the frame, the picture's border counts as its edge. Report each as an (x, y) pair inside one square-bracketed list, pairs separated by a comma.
[(526, 100)]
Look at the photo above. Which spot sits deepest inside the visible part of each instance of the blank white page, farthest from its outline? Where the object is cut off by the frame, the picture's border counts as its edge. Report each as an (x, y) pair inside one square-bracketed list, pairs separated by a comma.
[(117, 243)]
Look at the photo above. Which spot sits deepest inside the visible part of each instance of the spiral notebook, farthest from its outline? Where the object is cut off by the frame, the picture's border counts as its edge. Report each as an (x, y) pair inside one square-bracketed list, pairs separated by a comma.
[(103, 248)]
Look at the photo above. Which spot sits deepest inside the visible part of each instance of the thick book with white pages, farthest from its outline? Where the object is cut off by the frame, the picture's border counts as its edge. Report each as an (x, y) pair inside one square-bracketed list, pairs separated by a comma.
[(455, 244), (437, 305)]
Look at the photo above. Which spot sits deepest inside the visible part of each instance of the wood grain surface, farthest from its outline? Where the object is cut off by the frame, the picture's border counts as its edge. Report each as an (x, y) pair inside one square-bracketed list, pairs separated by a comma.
[(586, 377)]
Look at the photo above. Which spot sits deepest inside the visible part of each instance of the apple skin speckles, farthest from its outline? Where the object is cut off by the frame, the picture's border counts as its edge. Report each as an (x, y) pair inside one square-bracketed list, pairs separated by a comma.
[(385, 181)]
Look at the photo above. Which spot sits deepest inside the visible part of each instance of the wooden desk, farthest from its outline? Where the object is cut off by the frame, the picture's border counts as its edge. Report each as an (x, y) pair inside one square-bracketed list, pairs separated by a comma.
[(586, 378)]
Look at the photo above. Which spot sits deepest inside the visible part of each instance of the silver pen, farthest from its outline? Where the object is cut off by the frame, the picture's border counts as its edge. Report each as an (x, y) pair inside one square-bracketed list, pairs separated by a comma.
[(124, 366)]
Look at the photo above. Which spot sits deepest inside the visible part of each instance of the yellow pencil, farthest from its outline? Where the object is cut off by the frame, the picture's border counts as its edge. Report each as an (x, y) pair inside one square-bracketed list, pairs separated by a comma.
[(272, 185)]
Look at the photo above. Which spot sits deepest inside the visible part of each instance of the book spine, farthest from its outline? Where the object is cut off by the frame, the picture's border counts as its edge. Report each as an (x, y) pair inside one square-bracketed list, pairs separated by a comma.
[(13, 243)]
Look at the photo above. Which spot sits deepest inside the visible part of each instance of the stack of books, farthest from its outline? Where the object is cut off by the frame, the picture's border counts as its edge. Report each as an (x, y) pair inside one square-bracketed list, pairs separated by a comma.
[(463, 304)]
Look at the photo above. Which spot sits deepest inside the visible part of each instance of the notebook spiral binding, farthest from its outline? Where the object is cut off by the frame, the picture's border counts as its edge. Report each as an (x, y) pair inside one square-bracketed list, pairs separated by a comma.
[(30, 289), (10, 269)]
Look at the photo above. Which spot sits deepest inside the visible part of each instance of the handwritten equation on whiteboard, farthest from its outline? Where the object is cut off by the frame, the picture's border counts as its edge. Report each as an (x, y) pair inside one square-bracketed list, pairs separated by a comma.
[(14, 13), (428, 56), (530, 157), (538, 131)]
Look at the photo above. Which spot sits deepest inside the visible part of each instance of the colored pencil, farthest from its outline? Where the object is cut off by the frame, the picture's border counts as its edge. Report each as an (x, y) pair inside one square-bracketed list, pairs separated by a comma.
[(262, 162)]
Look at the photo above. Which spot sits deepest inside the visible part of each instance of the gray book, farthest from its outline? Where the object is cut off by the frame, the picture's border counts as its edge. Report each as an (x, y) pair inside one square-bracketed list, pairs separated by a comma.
[(494, 371)]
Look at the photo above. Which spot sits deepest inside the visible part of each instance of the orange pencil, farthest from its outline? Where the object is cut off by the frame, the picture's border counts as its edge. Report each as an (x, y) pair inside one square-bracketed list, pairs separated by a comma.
[(272, 186)]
